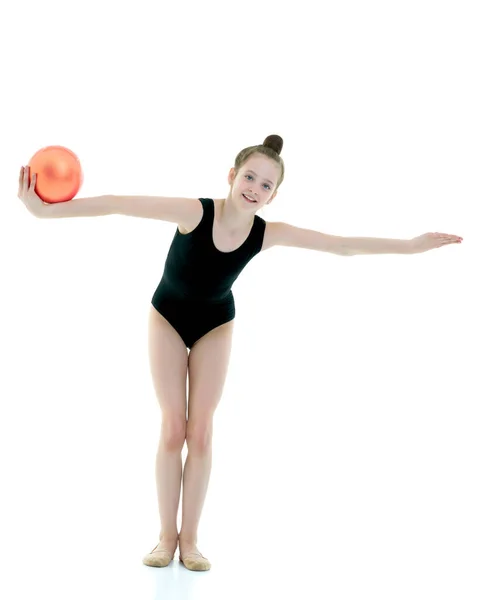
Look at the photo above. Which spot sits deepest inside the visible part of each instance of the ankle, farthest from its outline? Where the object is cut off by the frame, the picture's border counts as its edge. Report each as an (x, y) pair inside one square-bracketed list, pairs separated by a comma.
[(168, 536), (185, 538)]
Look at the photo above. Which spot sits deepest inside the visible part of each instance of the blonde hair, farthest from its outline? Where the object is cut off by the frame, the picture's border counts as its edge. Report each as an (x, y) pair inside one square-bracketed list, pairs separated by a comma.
[(271, 147)]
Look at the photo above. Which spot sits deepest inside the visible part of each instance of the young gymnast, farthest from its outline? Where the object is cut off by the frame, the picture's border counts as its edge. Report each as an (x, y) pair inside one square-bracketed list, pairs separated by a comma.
[(192, 314)]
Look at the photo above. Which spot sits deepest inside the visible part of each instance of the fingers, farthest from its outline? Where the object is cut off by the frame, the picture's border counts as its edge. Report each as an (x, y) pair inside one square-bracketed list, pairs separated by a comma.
[(20, 183), (23, 185), (448, 237), (23, 182), (452, 238)]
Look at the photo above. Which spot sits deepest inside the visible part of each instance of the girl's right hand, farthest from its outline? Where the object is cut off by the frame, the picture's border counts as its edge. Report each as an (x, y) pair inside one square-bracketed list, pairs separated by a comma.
[(27, 193)]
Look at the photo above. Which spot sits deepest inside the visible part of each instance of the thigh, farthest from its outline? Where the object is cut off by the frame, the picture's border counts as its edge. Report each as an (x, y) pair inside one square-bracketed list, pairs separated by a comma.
[(169, 367), (207, 368)]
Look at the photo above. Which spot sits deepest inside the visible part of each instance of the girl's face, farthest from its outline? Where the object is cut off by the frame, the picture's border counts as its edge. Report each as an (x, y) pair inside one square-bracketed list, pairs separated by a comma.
[(257, 178)]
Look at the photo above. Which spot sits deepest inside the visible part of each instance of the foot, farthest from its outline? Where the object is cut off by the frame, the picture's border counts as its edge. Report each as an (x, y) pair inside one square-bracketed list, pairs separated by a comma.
[(162, 554), (191, 557)]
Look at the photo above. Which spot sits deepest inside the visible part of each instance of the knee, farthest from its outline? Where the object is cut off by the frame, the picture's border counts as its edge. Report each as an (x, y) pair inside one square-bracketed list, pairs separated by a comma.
[(199, 436), (173, 433)]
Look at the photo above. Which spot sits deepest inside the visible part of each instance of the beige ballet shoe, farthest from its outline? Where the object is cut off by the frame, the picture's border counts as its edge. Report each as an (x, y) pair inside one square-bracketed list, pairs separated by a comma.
[(195, 564), (158, 558)]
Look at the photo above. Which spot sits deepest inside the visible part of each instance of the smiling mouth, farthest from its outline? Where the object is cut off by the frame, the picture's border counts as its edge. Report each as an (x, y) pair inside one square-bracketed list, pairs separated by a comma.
[(248, 200)]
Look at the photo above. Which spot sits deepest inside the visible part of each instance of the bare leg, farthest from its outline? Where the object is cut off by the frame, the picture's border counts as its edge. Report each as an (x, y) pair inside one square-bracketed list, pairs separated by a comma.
[(169, 364), (196, 478), (207, 368), (168, 481), (169, 470)]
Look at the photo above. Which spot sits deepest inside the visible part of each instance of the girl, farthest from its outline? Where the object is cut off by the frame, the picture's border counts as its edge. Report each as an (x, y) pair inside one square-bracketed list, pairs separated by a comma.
[(192, 314)]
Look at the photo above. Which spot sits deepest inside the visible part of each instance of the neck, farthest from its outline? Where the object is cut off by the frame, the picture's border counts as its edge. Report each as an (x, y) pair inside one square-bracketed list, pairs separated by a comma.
[(231, 218)]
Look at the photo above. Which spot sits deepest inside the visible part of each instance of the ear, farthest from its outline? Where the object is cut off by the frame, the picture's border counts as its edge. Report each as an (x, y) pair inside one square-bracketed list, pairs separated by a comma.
[(231, 175)]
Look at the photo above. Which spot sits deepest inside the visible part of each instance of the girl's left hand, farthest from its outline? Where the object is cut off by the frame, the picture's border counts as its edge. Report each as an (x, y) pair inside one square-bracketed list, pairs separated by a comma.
[(428, 241)]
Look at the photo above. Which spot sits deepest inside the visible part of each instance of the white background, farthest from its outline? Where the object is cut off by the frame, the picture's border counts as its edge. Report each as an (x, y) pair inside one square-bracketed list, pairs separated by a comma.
[(345, 445)]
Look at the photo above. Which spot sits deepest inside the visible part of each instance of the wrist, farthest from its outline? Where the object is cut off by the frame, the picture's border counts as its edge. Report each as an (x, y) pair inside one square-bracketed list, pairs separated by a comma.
[(411, 247), (41, 211)]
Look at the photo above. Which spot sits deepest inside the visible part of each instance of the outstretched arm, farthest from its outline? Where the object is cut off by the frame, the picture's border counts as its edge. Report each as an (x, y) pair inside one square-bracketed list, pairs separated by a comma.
[(422, 243), (287, 235)]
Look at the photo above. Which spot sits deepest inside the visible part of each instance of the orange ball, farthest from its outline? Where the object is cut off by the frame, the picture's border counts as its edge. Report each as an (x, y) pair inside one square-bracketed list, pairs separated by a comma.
[(59, 174)]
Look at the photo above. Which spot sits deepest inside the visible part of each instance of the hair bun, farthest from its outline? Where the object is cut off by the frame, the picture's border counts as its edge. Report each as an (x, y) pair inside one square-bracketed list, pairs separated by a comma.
[(275, 142)]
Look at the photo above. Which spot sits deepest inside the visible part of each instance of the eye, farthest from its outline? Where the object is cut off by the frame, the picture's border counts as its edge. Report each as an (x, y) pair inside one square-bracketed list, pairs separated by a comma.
[(267, 185)]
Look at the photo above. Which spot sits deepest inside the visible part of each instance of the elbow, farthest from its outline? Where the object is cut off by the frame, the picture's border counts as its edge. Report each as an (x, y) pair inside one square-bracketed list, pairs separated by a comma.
[(343, 249)]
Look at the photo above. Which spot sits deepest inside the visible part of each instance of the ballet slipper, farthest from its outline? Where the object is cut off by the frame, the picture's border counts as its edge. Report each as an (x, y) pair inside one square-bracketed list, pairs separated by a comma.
[(158, 558), (195, 561)]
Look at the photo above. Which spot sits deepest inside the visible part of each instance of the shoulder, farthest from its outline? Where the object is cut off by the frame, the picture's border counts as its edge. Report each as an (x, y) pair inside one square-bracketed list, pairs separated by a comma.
[(193, 217), (272, 234)]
